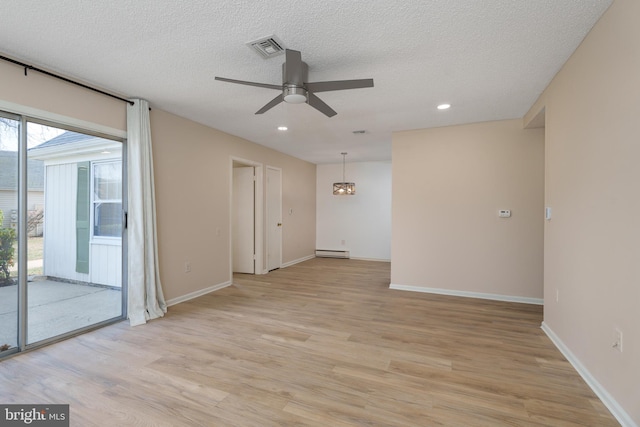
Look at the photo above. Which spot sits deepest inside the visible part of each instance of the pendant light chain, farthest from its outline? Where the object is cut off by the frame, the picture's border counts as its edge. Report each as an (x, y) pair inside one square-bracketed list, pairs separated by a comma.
[(344, 158)]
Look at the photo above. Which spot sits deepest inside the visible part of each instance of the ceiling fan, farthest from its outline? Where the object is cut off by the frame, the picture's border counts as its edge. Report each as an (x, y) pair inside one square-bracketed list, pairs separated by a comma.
[(296, 89)]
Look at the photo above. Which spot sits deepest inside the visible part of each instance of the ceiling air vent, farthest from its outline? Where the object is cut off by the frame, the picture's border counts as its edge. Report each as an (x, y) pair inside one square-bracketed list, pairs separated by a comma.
[(267, 47)]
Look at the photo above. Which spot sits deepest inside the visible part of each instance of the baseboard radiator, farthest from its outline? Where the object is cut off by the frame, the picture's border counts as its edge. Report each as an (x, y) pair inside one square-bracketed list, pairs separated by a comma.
[(328, 253)]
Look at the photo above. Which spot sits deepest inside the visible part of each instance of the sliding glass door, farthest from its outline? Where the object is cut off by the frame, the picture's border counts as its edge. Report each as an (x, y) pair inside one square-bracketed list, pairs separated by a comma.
[(68, 231), (9, 320)]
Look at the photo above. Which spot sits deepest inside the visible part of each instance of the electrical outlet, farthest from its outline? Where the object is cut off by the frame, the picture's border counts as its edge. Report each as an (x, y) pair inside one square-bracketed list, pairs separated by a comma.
[(187, 267), (617, 340)]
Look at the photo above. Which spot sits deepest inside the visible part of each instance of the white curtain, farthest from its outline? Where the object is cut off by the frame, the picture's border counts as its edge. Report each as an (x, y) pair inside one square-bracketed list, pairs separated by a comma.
[(145, 297)]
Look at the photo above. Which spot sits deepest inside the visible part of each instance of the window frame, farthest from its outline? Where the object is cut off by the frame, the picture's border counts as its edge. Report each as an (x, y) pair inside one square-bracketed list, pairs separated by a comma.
[(114, 240)]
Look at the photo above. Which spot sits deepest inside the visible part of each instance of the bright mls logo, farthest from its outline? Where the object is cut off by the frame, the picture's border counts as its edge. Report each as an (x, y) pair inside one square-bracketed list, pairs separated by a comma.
[(34, 415)]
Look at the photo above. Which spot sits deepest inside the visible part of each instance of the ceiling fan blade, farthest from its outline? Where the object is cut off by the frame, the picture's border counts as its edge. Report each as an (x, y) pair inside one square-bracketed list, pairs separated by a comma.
[(275, 101), (339, 85), (242, 82), (294, 73), (319, 105)]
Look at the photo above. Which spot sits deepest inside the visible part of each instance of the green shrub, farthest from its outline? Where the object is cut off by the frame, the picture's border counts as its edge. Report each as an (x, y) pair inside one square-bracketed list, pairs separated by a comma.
[(7, 251)]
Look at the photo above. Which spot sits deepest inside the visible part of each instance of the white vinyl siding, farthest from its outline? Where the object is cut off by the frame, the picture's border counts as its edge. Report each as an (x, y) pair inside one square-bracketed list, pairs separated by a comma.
[(60, 241), (106, 264), (60, 223)]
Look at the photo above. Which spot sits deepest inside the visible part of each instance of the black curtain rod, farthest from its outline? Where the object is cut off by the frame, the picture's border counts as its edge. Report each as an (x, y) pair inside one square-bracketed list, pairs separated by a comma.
[(31, 67)]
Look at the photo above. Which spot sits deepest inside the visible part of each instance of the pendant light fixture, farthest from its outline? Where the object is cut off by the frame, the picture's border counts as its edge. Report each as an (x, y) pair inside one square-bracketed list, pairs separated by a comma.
[(344, 188)]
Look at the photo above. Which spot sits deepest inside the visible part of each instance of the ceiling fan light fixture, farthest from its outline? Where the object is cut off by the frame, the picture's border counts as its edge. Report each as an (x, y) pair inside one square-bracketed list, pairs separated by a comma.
[(295, 95), (296, 89)]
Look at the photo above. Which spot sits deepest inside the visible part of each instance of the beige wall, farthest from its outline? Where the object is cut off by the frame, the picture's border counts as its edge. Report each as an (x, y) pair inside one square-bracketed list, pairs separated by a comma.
[(192, 169), (448, 185), (41, 92), (592, 243), (193, 179)]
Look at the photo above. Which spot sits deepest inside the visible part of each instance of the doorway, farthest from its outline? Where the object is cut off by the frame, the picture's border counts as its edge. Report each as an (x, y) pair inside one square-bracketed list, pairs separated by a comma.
[(243, 219), (246, 217)]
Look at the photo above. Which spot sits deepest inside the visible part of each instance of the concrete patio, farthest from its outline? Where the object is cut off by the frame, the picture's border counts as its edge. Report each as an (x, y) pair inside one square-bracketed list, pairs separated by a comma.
[(55, 308)]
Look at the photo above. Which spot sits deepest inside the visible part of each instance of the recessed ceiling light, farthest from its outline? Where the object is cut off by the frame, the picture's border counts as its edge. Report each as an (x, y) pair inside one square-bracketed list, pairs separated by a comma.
[(444, 106), (283, 128)]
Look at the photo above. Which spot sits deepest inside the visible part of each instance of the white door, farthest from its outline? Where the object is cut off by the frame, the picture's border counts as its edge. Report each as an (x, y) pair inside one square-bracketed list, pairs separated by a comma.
[(243, 220), (274, 218)]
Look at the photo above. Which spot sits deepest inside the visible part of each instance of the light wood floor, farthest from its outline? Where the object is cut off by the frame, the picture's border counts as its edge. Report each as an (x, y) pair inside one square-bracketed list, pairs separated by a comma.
[(322, 343)]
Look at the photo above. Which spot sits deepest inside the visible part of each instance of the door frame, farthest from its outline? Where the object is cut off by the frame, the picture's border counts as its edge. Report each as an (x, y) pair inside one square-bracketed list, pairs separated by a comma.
[(258, 213), (267, 198)]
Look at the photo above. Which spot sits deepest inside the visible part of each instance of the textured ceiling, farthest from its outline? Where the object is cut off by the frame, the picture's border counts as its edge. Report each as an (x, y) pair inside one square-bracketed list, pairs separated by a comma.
[(490, 59)]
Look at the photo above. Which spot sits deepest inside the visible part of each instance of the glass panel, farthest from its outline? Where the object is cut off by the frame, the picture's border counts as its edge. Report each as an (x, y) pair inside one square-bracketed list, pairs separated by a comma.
[(9, 139), (107, 199), (107, 219), (75, 281), (107, 181)]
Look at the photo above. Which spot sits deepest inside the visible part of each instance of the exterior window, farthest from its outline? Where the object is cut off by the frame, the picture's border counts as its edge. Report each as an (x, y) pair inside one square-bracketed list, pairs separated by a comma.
[(107, 199)]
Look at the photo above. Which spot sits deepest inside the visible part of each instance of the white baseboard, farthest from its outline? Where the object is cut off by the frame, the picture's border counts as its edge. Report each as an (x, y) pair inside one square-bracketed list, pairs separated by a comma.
[(196, 294), (371, 259), (297, 261), (466, 294), (616, 410)]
